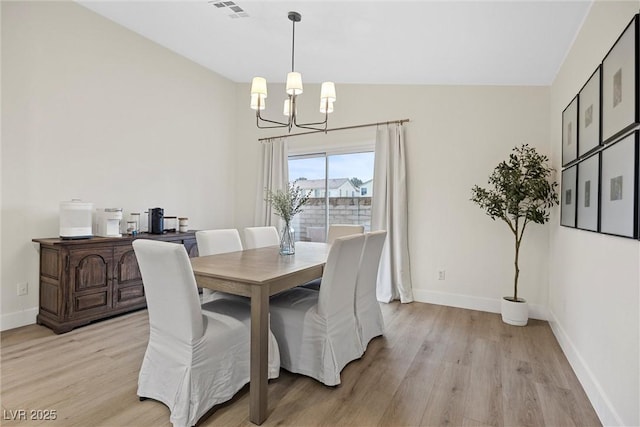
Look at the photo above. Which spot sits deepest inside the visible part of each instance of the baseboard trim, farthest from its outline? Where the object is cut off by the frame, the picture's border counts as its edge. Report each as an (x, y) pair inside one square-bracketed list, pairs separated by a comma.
[(18, 318), (602, 405), (491, 305)]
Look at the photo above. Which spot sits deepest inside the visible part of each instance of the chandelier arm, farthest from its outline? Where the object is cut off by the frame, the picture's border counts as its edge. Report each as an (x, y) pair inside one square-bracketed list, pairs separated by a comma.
[(278, 124), (307, 125), (273, 127), (322, 129)]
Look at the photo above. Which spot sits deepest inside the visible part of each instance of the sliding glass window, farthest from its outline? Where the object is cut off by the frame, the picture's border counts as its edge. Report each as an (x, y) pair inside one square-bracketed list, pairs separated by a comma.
[(340, 187)]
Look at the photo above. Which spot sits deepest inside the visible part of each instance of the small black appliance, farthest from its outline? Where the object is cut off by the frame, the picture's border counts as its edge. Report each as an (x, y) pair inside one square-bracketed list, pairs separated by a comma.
[(156, 220)]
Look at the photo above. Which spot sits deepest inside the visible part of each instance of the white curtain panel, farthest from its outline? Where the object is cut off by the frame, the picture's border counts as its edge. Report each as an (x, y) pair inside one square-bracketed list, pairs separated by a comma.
[(274, 174), (389, 212)]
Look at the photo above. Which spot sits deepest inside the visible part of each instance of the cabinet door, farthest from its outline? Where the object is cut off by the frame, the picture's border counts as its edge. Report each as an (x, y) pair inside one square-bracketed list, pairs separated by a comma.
[(127, 280), (90, 273)]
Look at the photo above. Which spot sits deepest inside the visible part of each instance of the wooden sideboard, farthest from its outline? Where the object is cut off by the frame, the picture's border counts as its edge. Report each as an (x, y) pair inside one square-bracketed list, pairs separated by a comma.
[(90, 279)]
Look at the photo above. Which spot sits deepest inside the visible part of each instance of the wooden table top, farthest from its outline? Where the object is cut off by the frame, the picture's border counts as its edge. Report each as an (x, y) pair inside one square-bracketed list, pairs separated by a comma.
[(262, 265)]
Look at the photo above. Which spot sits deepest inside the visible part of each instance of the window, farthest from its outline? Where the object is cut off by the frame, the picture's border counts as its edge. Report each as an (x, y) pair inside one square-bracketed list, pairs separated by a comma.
[(337, 195)]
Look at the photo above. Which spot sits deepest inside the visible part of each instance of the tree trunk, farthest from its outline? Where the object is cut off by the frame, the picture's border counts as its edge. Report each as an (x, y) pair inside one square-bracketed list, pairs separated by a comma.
[(515, 281)]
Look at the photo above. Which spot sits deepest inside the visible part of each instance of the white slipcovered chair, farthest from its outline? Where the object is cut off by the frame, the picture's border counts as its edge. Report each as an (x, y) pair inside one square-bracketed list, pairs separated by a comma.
[(340, 230), (195, 358), (258, 237), (212, 242), (335, 231), (317, 331), (368, 314)]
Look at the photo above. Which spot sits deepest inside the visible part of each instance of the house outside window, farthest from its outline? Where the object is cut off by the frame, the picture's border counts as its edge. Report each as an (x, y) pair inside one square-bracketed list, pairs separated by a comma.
[(334, 183)]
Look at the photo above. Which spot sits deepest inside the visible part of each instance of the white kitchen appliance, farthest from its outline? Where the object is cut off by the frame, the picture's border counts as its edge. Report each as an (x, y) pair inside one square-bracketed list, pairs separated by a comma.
[(75, 219), (106, 222)]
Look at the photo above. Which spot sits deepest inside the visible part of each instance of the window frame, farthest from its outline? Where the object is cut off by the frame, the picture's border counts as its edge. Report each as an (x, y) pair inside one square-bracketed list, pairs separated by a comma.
[(300, 153)]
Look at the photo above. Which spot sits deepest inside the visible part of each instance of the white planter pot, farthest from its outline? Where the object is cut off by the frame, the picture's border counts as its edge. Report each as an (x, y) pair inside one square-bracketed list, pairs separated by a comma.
[(515, 313)]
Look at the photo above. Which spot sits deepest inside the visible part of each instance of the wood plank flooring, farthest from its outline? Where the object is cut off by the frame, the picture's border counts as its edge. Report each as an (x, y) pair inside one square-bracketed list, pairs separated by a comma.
[(435, 366)]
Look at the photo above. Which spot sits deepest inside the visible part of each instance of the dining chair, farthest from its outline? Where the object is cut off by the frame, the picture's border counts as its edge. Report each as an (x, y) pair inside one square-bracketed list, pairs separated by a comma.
[(212, 242), (335, 231), (258, 237), (368, 313), (195, 358), (339, 230), (317, 331)]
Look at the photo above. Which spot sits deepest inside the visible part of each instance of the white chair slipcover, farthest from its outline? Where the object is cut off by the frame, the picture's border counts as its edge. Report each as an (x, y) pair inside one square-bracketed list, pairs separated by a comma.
[(212, 242), (195, 359), (317, 331), (335, 231), (258, 237), (368, 314), (240, 309), (341, 230)]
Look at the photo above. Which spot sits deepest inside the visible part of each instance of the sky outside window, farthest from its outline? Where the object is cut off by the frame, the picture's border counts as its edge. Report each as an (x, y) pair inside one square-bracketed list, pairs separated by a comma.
[(356, 165)]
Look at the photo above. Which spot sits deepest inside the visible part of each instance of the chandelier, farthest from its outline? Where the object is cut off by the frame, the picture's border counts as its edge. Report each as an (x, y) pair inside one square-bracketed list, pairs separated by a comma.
[(293, 88)]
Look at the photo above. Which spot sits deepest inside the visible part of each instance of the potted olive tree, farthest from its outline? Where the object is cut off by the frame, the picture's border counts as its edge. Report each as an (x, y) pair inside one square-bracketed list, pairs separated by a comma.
[(521, 192)]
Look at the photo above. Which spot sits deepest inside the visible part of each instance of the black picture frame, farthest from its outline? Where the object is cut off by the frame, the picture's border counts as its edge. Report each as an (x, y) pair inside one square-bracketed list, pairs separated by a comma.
[(570, 132), (568, 189), (589, 117), (619, 187), (620, 110), (588, 194)]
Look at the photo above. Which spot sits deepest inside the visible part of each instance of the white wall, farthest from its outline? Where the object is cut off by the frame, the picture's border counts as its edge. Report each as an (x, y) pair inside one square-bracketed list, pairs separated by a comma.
[(91, 110), (594, 279), (456, 136)]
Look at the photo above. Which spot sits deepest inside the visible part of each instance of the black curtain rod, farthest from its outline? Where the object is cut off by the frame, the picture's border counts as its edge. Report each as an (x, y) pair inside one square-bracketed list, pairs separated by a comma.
[(331, 130)]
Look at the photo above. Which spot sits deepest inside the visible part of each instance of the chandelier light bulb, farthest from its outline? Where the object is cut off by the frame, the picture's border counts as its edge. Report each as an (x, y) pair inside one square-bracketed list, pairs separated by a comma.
[(326, 107), (255, 97), (328, 91), (259, 86), (294, 83)]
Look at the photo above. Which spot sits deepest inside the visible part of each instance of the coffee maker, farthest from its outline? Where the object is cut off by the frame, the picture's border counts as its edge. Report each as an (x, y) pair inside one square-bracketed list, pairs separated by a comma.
[(156, 220)]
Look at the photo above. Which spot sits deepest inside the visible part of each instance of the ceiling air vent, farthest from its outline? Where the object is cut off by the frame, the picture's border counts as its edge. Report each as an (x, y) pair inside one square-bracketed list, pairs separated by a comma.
[(230, 8)]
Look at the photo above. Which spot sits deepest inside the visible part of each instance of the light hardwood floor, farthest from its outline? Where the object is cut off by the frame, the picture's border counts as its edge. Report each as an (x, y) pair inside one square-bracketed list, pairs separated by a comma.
[(435, 366)]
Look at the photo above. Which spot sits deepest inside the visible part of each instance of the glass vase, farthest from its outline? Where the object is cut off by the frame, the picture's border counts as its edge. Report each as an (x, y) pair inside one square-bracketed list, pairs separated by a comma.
[(287, 241)]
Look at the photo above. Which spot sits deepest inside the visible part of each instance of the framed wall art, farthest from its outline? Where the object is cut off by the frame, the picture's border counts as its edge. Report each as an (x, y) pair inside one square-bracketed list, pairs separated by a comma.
[(589, 115), (568, 197), (618, 188), (588, 196), (620, 85), (570, 132)]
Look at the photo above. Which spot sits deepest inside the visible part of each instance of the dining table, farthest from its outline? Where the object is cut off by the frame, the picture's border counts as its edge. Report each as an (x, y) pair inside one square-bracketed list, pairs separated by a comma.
[(258, 274)]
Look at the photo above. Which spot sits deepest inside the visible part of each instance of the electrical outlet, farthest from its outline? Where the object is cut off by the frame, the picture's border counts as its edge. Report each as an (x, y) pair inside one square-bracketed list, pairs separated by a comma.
[(23, 289), (441, 275)]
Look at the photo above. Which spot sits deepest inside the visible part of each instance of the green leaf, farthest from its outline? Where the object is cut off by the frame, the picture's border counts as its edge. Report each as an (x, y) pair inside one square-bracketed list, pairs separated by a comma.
[(287, 203)]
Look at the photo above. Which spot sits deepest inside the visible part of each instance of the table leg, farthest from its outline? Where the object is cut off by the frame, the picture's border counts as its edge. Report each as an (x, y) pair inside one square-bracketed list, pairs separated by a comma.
[(259, 354)]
